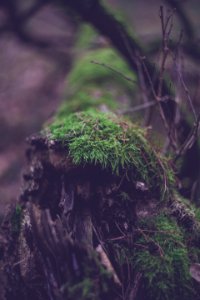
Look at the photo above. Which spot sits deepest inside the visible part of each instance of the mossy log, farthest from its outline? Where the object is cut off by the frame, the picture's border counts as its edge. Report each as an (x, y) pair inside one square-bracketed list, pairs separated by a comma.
[(99, 216), (109, 226)]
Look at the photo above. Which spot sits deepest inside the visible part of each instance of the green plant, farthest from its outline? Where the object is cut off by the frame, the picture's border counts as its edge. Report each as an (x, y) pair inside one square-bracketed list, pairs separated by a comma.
[(104, 139), (163, 259)]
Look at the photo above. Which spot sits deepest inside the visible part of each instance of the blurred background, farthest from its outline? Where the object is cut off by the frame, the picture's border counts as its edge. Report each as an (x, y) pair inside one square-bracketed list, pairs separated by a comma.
[(37, 54)]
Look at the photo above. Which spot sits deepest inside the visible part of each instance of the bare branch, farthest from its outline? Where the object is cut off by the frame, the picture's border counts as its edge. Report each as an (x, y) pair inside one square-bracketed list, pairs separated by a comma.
[(190, 140), (166, 26), (185, 21), (136, 108), (114, 70), (185, 88)]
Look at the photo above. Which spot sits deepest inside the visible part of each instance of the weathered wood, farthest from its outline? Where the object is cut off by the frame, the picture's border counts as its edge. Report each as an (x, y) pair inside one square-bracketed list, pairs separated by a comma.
[(78, 235)]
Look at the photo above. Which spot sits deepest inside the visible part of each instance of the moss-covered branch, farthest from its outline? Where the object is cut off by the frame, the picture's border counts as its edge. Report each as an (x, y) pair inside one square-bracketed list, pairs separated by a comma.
[(98, 16)]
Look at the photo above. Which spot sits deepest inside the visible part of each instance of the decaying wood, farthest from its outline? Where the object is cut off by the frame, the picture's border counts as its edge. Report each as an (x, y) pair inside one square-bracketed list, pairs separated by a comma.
[(67, 242), (68, 212)]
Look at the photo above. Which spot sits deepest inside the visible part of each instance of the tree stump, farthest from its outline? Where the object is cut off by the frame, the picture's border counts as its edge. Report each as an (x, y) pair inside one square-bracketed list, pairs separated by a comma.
[(98, 218)]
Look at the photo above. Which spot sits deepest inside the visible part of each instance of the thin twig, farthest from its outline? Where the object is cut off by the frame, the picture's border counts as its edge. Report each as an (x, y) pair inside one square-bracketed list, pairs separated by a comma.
[(148, 238), (145, 96), (179, 65), (166, 26), (141, 106), (114, 70), (136, 58), (186, 90), (142, 61), (193, 135), (136, 108), (158, 101), (190, 140), (180, 76)]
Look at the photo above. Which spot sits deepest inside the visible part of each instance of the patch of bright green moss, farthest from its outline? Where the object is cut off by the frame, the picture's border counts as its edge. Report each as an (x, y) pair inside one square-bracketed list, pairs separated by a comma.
[(163, 259), (86, 99), (115, 144), (85, 72)]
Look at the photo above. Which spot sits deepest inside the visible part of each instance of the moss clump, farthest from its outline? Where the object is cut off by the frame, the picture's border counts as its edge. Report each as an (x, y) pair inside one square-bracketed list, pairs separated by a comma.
[(186, 213), (85, 72), (117, 145), (163, 259), (86, 99), (188, 218)]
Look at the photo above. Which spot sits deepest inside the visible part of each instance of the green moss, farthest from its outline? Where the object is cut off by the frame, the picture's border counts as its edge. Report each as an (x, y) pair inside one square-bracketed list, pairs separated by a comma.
[(86, 36), (197, 214), (188, 218), (85, 72), (86, 99), (186, 213), (115, 144), (162, 258)]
